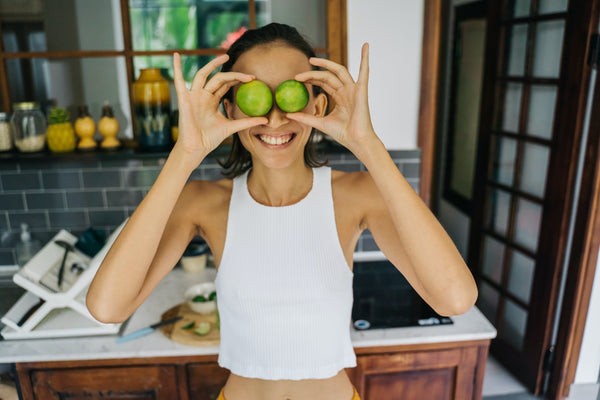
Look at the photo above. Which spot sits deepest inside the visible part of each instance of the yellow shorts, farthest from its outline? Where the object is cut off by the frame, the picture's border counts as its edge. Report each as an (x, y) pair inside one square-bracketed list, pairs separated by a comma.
[(354, 397)]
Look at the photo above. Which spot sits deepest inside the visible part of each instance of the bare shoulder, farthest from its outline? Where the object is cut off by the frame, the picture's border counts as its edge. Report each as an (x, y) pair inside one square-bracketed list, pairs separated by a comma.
[(355, 185), (355, 196), (206, 203), (206, 193)]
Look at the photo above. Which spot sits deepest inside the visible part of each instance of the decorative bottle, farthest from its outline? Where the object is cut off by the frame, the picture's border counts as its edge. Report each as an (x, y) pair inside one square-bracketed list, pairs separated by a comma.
[(152, 109), (108, 126), (85, 127)]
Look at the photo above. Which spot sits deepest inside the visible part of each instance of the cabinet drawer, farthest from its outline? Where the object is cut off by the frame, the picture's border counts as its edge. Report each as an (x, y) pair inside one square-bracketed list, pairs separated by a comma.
[(205, 380), (143, 382)]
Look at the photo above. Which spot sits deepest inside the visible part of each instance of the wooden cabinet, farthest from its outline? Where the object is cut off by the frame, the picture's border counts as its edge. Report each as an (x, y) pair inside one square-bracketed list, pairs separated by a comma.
[(421, 372), (205, 380), (144, 382), (409, 372)]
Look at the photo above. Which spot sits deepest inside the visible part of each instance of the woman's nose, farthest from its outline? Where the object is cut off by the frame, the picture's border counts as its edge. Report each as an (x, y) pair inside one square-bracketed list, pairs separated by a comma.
[(276, 117)]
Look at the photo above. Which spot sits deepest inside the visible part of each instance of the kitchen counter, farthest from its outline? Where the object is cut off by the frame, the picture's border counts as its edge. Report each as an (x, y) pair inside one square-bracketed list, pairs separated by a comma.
[(468, 327)]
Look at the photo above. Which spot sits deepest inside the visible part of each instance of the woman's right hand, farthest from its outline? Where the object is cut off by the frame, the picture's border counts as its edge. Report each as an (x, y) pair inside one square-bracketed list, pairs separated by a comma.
[(202, 126)]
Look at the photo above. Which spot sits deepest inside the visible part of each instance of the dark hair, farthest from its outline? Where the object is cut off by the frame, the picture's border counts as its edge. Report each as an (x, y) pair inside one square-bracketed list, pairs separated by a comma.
[(239, 159)]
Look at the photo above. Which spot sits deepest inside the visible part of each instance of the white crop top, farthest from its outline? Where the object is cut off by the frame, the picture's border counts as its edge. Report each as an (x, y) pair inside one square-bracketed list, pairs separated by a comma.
[(284, 288)]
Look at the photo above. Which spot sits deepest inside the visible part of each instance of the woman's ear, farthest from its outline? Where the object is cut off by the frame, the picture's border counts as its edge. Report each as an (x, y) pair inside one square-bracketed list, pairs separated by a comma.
[(228, 107), (320, 105)]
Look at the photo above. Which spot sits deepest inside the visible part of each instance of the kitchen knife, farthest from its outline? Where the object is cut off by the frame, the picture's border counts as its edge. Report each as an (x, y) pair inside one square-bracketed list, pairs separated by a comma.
[(145, 331)]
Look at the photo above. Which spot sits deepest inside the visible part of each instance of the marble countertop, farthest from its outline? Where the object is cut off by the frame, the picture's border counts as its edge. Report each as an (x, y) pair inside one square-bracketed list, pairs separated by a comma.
[(470, 326)]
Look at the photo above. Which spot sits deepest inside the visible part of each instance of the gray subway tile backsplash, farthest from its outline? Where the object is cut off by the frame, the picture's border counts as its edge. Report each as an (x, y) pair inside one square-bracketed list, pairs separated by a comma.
[(21, 180), (50, 195), (411, 170), (107, 218), (61, 180), (140, 177), (102, 178), (123, 197), (85, 199), (35, 219), (45, 201), (13, 201), (68, 219), (7, 257)]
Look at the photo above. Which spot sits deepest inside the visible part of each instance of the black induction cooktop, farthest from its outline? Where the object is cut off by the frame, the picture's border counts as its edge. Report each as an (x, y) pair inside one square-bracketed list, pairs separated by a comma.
[(384, 299)]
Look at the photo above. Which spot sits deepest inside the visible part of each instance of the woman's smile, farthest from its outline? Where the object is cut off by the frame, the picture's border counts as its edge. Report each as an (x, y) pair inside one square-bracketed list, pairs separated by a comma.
[(276, 141)]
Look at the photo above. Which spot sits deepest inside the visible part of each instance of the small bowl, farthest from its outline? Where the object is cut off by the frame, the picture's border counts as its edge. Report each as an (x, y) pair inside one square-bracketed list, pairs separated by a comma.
[(195, 256), (204, 289)]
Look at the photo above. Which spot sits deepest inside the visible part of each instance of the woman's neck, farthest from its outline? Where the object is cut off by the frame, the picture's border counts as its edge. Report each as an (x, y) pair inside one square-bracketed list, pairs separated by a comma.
[(280, 187)]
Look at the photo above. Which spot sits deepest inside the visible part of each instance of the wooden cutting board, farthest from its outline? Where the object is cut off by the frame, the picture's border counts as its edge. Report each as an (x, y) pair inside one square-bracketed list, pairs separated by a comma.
[(187, 336)]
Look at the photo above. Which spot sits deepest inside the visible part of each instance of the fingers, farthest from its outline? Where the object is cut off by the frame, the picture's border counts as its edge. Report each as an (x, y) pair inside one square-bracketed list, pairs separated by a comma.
[(339, 70), (311, 120), (237, 125), (325, 79), (201, 76), (363, 74), (178, 75), (226, 79)]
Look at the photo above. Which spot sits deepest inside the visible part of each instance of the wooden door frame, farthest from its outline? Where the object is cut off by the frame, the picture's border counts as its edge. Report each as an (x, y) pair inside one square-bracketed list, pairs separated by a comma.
[(586, 242), (584, 255), (431, 58)]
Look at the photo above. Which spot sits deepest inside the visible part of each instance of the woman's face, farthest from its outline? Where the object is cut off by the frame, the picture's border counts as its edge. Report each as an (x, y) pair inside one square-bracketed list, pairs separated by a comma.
[(274, 64)]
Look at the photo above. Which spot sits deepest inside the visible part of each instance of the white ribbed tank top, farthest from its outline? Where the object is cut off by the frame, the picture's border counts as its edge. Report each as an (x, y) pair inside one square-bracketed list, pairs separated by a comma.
[(284, 289)]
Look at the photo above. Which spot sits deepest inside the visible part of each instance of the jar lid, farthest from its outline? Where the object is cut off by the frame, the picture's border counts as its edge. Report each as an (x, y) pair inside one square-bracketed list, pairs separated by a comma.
[(26, 105)]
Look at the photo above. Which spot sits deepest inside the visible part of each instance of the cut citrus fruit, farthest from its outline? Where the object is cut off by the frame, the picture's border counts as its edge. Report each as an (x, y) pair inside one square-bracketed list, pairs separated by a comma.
[(202, 329)]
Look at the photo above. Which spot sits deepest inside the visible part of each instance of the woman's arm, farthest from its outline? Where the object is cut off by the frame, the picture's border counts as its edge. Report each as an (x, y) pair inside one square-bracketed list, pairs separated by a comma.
[(162, 225), (403, 226), (412, 238)]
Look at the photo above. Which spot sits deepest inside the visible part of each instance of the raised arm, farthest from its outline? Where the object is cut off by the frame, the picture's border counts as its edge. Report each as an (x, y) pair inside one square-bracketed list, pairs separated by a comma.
[(159, 230), (402, 225)]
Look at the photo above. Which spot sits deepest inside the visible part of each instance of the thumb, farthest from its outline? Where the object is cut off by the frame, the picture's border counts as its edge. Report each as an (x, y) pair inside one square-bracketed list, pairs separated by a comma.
[(311, 120), (237, 125)]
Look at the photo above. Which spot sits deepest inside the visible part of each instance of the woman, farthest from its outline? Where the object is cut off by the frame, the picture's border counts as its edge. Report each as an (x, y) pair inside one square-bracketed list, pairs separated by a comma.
[(283, 230)]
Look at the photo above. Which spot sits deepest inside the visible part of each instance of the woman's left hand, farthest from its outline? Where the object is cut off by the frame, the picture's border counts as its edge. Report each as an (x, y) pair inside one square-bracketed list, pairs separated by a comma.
[(349, 122)]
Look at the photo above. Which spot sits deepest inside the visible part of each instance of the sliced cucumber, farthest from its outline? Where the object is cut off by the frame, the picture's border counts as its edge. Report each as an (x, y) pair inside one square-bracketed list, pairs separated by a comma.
[(189, 326), (202, 329)]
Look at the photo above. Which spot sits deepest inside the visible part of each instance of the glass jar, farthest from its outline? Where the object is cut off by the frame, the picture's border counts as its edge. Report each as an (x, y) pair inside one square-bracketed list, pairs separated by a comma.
[(5, 132), (29, 127)]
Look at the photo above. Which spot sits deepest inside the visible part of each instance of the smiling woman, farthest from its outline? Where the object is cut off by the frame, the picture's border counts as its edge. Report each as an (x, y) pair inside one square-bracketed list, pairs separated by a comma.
[(279, 227)]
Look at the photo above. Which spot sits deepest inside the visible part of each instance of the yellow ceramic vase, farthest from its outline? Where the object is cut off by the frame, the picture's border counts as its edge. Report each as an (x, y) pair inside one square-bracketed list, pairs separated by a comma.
[(152, 109)]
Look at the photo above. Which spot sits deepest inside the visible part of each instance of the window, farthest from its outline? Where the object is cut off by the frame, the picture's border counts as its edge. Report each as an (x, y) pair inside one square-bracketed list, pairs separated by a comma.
[(73, 52)]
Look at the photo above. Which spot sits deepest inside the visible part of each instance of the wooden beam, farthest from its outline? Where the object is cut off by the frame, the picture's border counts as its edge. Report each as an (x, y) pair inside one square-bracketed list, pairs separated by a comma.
[(430, 64), (584, 254), (337, 40)]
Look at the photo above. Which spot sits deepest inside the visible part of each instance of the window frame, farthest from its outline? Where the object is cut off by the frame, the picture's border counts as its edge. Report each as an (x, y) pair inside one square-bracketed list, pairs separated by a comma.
[(336, 49)]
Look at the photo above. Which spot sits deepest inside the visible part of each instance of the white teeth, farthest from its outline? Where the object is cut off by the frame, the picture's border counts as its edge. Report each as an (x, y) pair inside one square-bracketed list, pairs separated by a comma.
[(276, 140)]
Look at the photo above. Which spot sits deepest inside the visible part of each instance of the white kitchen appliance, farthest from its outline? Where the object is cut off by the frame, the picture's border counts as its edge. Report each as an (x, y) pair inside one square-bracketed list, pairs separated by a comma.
[(48, 309)]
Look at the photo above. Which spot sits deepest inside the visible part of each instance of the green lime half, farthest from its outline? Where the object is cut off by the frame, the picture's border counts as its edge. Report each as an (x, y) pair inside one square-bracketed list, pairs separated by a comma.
[(254, 98), (202, 329), (291, 96)]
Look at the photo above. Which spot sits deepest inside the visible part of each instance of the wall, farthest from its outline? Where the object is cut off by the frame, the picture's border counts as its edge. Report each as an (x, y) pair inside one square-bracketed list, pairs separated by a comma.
[(394, 30), (76, 191), (308, 16)]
